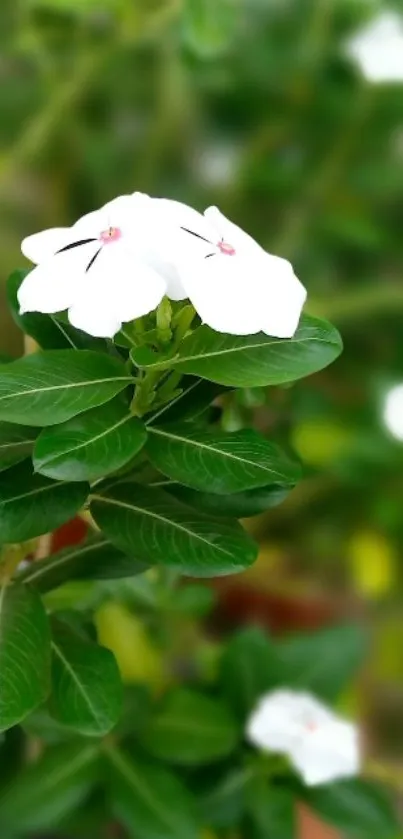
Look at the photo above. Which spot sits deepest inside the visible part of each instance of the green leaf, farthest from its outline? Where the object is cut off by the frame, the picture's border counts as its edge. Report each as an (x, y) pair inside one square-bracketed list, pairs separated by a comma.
[(50, 387), (48, 789), (31, 504), (47, 330), (222, 803), (195, 397), (248, 668), (150, 801), (86, 687), (324, 661), (218, 462), (91, 445), (208, 26), (253, 360), (239, 505), (155, 527), (358, 808), (24, 653), (191, 729), (272, 810), (16, 443), (97, 559)]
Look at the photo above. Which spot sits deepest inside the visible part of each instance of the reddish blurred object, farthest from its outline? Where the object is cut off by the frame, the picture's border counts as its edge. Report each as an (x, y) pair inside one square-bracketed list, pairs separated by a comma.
[(71, 533), (311, 828), (240, 603)]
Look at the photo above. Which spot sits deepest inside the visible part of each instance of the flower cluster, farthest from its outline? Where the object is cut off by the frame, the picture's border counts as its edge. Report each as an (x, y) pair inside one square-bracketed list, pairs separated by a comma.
[(320, 745), (117, 263)]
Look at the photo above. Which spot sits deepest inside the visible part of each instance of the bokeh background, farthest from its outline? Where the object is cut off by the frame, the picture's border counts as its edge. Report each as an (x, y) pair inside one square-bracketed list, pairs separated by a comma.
[(252, 105)]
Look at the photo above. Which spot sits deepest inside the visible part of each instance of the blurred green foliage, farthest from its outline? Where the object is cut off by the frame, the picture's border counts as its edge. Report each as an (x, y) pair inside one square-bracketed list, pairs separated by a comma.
[(253, 105)]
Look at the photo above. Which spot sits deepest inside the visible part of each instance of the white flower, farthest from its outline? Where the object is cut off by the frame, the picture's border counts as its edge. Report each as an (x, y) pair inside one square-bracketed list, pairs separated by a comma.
[(393, 411), (93, 269), (378, 48), (321, 745), (234, 285)]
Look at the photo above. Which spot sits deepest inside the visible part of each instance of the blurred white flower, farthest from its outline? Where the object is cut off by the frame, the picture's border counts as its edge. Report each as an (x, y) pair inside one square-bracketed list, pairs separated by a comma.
[(234, 285), (93, 269), (378, 48), (393, 411), (216, 164), (321, 745)]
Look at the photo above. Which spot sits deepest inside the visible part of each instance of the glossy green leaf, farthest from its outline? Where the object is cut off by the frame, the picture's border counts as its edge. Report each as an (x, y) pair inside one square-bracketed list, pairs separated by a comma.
[(249, 668), (50, 387), (156, 528), (48, 789), (31, 504), (195, 397), (252, 360), (214, 461), (271, 810), (24, 653), (96, 559), (239, 505), (86, 693), (323, 661), (191, 729), (47, 330), (16, 443), (150, 801), (358, 808), (91, 445)]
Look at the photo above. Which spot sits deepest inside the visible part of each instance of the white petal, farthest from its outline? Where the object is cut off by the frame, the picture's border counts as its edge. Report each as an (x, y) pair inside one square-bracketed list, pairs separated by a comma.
[(245, 294), (230, 232), (43, 245), (53, 285), (378, 48), (117, 288), (280, 719), (96, 321), (328, 753), (284, 302)]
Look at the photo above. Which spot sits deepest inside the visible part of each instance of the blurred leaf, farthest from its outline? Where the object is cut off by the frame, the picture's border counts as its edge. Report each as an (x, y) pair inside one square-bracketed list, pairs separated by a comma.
[(138, 657), (24, 653), (49, 387), (218, 462), (150, 801), (322, 662), (48, 789), (249, 667), (209, 27), (31, 504), (86, 688), (271, 809), (254, 360), (356, 807), (222, 802), (157, 528), (190, 729), (91, 445), (96, 559)]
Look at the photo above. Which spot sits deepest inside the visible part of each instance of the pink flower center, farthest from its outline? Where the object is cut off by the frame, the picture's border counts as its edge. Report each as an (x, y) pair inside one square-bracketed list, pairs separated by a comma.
[(311, 725), (112, 234), (226, 248)]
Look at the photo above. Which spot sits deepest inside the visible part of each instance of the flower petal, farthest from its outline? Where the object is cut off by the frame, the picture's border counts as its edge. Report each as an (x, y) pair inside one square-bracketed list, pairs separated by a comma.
[(116, 288), (53, 285), (230, 232), (245, 294), (328, 753), (43, 245)]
